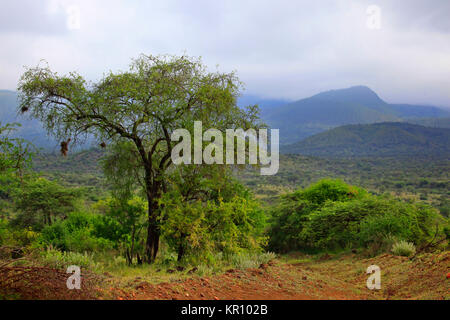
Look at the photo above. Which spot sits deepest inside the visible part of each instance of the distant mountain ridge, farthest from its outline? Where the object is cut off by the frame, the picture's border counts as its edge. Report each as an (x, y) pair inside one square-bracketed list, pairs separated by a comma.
[(389, 139), (30, 130), (431, 122), (265, 104), (326, 110)]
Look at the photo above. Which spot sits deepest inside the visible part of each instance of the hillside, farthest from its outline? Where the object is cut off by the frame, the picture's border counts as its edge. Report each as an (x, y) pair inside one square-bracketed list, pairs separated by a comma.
[(431, 122), (297, 276), (380, 140), (265, 105), (30, 130), (326, 110), (296, 120)]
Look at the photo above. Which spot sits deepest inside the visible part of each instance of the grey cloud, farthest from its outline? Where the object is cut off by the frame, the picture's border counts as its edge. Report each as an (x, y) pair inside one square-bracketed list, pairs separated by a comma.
[(433, 15), (281, 49), (31, 16)]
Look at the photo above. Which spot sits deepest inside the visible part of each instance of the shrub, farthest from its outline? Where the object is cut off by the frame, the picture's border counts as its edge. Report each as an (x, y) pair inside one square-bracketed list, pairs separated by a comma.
[(330, 190), (309, 221), (76, 233), (4, 232), (404, 248), (196, 230), (295, 211), (251, 260), (61, 260), (16, 237)]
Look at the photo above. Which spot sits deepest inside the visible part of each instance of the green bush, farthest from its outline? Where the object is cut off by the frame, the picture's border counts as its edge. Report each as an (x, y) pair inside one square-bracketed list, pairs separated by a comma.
[(251, 259), (61, 260), (197, 230), (295, 211), (4, 231), (16, 237), (325, 217), (76, 233), (403, 248)]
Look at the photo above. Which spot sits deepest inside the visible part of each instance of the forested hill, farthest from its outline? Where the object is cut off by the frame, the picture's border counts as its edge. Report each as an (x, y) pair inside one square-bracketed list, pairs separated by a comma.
[(431, 122), (388, 139), (31, 130), (326, 110)]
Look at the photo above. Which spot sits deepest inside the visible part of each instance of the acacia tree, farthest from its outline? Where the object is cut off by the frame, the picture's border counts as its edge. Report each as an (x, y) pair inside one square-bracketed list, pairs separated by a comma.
[(40, 201), (137, 109)]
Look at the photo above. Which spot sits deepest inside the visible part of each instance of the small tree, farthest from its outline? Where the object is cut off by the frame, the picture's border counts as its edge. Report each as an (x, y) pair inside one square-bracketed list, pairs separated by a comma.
[(138, 108), (15, 153), (129, 214), (212, 216), (40, 201)]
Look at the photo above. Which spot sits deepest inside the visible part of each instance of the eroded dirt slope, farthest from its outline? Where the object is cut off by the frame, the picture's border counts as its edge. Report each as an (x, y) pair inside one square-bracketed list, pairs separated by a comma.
[(340, 278)]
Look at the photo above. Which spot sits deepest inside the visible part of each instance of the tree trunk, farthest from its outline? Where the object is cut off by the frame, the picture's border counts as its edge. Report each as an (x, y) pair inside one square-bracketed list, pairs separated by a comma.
[(132, 244), (152, 245), (180, 252), (153, 232), (128, 256)]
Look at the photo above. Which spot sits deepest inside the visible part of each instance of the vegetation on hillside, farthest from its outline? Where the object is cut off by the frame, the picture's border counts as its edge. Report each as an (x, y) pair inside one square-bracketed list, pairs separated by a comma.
[(390, 139), (326, 110)]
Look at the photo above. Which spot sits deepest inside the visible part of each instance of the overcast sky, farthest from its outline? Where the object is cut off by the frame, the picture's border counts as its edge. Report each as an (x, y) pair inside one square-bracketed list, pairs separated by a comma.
[(280, 49)]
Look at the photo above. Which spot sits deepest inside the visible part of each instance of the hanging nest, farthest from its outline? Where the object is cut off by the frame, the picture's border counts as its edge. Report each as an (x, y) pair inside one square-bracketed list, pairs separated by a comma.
[(103, 145), (65, 147), (24, 109)]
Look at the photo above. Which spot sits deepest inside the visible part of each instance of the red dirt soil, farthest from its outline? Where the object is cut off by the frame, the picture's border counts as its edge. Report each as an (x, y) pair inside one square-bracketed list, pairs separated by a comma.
[(340, 278)]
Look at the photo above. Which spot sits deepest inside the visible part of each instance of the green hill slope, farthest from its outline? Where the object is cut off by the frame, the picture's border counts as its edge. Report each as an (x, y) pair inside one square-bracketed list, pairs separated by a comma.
[(431, 122), (355, 105), (380, 140)]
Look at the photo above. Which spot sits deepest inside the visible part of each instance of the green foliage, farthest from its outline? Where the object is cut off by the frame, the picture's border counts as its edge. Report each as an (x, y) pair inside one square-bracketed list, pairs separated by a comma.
[(339, 219), (391, 139), (378, 175), (295, 210), (329, 190), (123, 222), (199, 228), (76, 233), (16, 237), (61, 260), (40, 201), (126, 215), (251, 259), (15, 153), (404, 248)]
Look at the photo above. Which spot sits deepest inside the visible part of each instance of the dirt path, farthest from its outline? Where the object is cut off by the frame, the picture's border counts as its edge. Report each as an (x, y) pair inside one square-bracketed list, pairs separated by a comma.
[(41, 283), (334, 278), (276, 281), (341, 278)]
